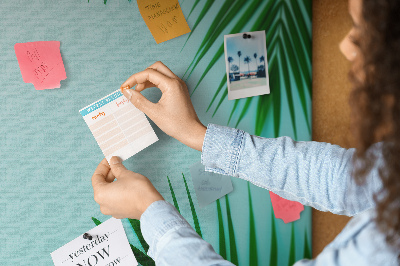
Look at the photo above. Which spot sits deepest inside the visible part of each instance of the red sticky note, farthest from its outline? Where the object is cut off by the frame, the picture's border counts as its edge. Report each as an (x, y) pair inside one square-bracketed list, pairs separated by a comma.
[(41, 64), (286, 210)]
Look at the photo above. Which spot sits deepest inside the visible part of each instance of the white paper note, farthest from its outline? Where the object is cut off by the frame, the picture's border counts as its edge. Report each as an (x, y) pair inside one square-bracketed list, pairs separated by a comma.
[(209, 186), (108, 247), (118, 126)]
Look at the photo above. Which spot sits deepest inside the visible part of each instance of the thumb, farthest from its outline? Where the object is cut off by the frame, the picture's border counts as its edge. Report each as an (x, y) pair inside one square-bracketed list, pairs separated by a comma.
[(117, 167), (138, 100)]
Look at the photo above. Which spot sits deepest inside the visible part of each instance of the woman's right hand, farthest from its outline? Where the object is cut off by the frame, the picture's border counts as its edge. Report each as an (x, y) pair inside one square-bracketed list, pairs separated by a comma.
[(174, 112)]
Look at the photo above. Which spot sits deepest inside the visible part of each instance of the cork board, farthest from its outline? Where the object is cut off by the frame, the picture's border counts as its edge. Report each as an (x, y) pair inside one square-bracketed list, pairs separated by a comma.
[(331, 89)]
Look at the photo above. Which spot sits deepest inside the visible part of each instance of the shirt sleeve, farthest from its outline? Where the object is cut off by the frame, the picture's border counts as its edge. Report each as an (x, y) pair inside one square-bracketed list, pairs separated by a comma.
[(313, 173), (172, 240)]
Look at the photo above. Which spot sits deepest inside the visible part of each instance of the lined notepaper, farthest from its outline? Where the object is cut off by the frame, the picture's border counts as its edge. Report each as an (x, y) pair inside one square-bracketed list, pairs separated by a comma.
[(118, 126)]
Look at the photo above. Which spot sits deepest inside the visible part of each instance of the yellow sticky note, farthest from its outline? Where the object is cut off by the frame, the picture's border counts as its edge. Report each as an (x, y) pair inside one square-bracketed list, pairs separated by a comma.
[(164, 18)]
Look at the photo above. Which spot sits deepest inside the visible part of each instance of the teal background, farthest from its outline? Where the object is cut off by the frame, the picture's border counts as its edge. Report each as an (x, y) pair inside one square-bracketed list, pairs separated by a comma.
[(48, 154)]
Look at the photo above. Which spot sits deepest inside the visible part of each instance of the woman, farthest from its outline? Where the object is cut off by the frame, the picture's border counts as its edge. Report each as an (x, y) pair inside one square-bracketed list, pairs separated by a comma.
[(360, 182)]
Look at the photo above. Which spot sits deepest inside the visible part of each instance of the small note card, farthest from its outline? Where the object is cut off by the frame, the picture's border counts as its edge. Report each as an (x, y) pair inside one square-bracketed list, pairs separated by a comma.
[(41, 64), (209, 186), (164, 18), (109, 246), (118, 126)]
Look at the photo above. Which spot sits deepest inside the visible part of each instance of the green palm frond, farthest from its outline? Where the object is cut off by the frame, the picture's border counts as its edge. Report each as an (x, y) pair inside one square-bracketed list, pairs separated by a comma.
[(193, 7), (233, 110), (217, 31), (216, 28), (231, 233), (253, 256), (276, 100), (287, 85), (288, 40), (238, 27), (292, 251), (221, 232), (136, 227), (221, 100), (141, 257), (96, 222), (307, 250), (173, 195), (222, 85), (273, 258), (194, 214), (203, 12)]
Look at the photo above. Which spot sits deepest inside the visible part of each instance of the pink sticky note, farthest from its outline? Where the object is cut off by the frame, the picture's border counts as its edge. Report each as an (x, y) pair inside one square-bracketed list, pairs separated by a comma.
[(41, 64), (286, 210)]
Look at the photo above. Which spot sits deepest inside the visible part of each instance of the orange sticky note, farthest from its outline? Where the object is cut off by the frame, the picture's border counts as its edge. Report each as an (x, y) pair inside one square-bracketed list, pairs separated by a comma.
[(164, 18), (284, 209), (41, 63)]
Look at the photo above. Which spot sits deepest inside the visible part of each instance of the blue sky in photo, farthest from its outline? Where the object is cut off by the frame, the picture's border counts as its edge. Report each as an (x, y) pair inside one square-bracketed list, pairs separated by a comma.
[(248, 47)]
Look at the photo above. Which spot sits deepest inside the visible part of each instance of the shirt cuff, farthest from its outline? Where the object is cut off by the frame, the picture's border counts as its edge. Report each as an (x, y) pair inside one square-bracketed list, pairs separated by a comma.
[(222, 148), (157, 220)]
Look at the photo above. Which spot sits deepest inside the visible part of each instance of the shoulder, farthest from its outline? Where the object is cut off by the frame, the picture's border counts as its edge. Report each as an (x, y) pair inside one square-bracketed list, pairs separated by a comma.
[(362, 242)]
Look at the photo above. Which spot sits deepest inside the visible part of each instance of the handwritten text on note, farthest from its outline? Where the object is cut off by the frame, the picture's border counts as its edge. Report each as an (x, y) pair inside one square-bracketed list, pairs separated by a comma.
[(164, 18)]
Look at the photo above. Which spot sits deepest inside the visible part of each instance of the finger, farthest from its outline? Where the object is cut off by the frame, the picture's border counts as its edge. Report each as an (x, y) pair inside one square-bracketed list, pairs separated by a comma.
[(143, 86), (100, 174), (105, 210), (160, 67), (140, 102), (117, 167), (159, 80), (110, 177)]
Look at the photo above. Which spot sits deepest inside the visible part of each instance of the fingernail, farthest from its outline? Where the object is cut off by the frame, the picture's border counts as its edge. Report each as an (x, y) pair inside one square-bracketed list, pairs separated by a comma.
[(128, 94), (115, 160), (124, 88)]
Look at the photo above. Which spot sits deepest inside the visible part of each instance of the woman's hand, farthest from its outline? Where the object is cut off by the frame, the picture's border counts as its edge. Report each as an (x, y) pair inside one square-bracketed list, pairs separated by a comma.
[(127, 197), (173, 113)]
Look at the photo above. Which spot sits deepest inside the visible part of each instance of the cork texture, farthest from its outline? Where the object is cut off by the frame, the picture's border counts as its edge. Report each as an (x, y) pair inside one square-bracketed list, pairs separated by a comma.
[(331, 89)]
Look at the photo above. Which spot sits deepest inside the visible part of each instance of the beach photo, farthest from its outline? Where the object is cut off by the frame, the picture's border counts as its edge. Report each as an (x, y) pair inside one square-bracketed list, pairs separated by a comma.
[(246, 64)]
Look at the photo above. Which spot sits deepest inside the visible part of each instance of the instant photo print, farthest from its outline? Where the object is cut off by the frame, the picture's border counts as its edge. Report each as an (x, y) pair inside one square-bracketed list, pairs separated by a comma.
[(246, 64)]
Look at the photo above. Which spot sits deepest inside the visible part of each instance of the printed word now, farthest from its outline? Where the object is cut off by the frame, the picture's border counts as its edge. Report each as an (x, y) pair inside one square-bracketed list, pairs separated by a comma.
[(94, 258)]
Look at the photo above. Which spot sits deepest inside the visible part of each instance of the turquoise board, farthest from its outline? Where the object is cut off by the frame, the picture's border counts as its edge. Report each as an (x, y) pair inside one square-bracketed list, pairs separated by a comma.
[(49, 155)]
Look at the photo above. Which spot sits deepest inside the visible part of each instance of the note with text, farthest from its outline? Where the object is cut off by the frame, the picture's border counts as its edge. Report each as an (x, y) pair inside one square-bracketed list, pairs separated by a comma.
[(108, 246), (41, 64), (118, 126), (164, 18)]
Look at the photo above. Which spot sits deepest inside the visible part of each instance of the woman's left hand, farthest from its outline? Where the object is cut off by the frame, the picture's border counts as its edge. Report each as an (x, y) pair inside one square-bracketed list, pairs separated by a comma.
[(128, 197)]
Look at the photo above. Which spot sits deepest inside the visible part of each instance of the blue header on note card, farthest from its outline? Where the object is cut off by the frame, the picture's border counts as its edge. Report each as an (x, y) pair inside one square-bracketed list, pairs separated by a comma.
[(100, 103)]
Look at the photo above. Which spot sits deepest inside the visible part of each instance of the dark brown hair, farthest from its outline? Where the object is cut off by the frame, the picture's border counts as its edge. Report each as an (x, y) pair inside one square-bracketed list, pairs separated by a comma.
[(375, 103)]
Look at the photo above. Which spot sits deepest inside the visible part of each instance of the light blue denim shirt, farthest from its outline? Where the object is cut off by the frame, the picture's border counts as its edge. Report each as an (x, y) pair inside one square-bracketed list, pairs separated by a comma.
[(312, 173)]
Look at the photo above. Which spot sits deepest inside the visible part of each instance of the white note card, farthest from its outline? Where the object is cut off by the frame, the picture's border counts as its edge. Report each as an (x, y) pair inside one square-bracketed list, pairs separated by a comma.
[(108, 247), (209, 186), (118, 126)]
